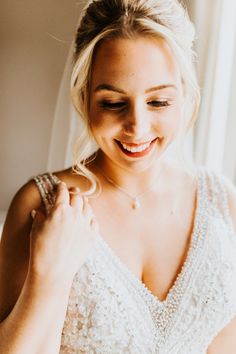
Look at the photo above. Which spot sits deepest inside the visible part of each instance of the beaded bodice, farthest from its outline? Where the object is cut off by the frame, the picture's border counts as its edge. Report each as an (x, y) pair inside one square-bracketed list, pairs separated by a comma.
[(110, 311)]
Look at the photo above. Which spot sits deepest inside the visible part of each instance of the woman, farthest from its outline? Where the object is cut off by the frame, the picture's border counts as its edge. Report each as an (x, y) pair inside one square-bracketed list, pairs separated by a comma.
[(130, 251)]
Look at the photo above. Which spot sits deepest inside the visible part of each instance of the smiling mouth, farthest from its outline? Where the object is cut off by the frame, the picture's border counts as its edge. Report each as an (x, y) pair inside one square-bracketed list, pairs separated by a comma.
[(136, 150)]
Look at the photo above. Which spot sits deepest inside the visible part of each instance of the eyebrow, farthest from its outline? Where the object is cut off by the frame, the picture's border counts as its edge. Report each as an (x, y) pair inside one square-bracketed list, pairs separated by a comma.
[(116, 89)]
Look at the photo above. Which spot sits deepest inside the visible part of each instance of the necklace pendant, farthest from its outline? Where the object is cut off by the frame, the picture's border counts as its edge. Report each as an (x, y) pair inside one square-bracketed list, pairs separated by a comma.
[(136, 203)]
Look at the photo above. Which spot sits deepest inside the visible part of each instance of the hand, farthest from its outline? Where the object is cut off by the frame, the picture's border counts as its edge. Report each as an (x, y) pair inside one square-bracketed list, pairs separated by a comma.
[(61, 241)]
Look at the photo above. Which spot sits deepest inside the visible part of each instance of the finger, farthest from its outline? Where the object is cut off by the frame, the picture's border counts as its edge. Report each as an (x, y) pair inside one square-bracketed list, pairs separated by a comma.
[(76, 200), (38, 219), (62, 194)]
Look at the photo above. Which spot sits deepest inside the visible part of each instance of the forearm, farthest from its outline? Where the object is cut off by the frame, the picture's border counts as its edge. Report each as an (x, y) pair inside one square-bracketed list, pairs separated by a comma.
[(39, 309)]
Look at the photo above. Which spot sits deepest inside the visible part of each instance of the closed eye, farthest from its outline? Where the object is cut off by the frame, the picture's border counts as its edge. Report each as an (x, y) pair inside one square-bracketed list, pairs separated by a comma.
[(158, 103), (112, 105), (120, 105)]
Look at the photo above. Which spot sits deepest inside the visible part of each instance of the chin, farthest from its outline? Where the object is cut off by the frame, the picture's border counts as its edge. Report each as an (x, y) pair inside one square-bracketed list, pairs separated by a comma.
[(139, 165)]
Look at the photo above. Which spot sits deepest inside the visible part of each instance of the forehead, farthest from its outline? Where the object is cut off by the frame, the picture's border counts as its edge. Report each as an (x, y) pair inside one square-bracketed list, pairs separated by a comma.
[(142, 61)]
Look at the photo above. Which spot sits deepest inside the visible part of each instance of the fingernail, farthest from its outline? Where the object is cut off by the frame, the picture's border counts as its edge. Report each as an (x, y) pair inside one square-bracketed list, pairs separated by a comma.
[(33, 213)]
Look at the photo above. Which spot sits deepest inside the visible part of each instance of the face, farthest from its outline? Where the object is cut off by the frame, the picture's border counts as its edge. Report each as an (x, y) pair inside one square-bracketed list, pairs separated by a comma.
[(136, 101)]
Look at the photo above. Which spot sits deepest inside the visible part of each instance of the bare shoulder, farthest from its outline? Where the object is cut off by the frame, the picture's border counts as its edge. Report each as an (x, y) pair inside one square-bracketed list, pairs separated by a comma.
[(225, 341), (26, 199), (72, 179)]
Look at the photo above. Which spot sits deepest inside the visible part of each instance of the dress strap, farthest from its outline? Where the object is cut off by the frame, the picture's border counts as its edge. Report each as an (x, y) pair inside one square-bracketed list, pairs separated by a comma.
[(47, 184), (218, 196)]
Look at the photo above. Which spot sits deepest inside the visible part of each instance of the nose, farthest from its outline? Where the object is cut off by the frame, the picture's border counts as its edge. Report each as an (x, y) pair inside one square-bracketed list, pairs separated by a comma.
[(137, 122)]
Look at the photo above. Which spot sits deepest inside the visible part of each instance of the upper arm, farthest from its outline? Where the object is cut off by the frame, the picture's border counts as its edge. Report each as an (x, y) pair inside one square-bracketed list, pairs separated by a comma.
[(15, 246), (225, 341)]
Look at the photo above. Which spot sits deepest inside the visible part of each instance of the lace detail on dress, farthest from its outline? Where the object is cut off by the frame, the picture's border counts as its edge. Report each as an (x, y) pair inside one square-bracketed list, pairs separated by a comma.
[(110, 311), (163, 312), (103, 316), (210, 303), (218, 198)]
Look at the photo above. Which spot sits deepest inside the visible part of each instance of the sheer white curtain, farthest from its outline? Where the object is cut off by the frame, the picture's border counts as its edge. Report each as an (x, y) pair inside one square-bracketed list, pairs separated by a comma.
[(213, 143)]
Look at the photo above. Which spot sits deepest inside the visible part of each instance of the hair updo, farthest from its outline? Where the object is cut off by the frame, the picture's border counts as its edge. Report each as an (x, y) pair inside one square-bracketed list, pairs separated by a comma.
[(106, 19)]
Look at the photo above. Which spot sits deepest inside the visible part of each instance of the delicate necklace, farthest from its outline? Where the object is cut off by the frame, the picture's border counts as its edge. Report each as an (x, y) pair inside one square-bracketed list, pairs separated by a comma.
[(136, 201)]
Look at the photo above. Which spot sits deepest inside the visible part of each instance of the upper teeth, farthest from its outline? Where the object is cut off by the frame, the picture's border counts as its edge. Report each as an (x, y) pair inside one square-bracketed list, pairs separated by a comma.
[(136, 148)]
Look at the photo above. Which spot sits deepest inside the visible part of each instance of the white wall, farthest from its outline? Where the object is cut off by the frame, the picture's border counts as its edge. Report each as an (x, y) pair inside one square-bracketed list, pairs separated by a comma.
[(31, 66)]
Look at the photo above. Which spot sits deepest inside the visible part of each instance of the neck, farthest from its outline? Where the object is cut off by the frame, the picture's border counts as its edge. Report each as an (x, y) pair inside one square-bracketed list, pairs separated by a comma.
[(132, 179)]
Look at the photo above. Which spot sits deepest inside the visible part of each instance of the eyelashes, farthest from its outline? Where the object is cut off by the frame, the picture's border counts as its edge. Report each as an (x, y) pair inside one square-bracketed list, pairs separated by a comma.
[(112, 105), (156, 103), (121, 105)]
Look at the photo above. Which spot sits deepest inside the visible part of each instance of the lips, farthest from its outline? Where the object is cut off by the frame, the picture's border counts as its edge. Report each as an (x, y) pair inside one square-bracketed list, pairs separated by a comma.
[(136, 150)]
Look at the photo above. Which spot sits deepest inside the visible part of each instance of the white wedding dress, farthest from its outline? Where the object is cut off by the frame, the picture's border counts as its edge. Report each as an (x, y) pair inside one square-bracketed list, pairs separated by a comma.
[(110, 311)]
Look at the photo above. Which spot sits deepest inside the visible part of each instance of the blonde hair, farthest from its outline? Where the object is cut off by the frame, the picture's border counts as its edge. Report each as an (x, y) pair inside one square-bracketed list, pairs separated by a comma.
[(106, 19)]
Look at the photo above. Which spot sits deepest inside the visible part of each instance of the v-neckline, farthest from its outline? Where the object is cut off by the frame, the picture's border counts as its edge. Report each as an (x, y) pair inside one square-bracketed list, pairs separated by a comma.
[(138, 283)]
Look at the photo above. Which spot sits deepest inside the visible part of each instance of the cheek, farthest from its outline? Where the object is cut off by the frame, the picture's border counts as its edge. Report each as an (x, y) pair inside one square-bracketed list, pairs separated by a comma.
[(169, 123), (102, 125)]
